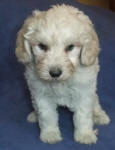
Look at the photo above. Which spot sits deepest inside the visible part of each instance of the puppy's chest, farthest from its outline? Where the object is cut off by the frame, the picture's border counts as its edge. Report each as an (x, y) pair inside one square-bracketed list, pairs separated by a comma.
[(64, 94)]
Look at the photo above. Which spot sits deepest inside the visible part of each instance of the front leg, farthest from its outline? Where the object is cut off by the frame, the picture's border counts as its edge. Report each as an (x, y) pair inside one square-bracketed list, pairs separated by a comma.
[(48, 122), (83, 122)]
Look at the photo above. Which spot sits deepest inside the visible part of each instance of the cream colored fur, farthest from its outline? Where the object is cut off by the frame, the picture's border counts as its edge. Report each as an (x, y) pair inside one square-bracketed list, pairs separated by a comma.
[(58, 28)]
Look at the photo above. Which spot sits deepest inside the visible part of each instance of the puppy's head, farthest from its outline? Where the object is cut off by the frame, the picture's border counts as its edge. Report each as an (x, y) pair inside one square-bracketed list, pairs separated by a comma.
[(57, 41)]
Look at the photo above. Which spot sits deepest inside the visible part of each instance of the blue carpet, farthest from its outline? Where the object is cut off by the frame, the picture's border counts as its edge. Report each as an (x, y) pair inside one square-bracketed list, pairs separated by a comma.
[(15, 132)]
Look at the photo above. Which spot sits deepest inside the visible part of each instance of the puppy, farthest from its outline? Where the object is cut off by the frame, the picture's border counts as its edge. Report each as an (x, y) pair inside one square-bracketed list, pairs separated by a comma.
[(59, 49)]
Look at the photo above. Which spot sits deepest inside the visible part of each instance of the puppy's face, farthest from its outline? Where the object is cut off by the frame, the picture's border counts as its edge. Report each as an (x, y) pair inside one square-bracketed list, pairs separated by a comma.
[(56, 62), (55, 51), (57, 41)]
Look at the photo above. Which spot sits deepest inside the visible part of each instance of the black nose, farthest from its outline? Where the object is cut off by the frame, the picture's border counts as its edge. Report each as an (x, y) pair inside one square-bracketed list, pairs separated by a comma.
[(55, 72)]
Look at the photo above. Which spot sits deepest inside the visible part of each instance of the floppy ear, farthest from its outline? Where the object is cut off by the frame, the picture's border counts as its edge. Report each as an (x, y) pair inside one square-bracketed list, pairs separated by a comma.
[(23, 49), (90, 49)]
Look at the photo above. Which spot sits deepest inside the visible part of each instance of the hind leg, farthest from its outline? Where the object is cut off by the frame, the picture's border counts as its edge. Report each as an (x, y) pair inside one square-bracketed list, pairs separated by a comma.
[(32, 117), (100, 117)]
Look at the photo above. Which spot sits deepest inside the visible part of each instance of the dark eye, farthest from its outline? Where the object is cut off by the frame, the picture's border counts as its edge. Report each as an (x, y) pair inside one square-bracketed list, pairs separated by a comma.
[(43, 46), (70, 47)]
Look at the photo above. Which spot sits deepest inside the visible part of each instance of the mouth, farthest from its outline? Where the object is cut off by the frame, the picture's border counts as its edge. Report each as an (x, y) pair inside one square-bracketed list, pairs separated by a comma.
[(51, 78), (54, 80)]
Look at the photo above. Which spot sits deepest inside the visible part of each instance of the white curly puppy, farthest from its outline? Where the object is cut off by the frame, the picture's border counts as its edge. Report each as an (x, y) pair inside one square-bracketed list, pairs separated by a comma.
[(59, 49)]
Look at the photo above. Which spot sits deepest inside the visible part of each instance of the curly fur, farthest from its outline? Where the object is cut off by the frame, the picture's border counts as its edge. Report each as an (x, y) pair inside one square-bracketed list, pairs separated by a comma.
[(57, 28)]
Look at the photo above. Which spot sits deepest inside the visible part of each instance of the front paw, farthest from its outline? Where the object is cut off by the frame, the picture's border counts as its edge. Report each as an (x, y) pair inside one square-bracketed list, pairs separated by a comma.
[(51, 136), (87, 137)]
